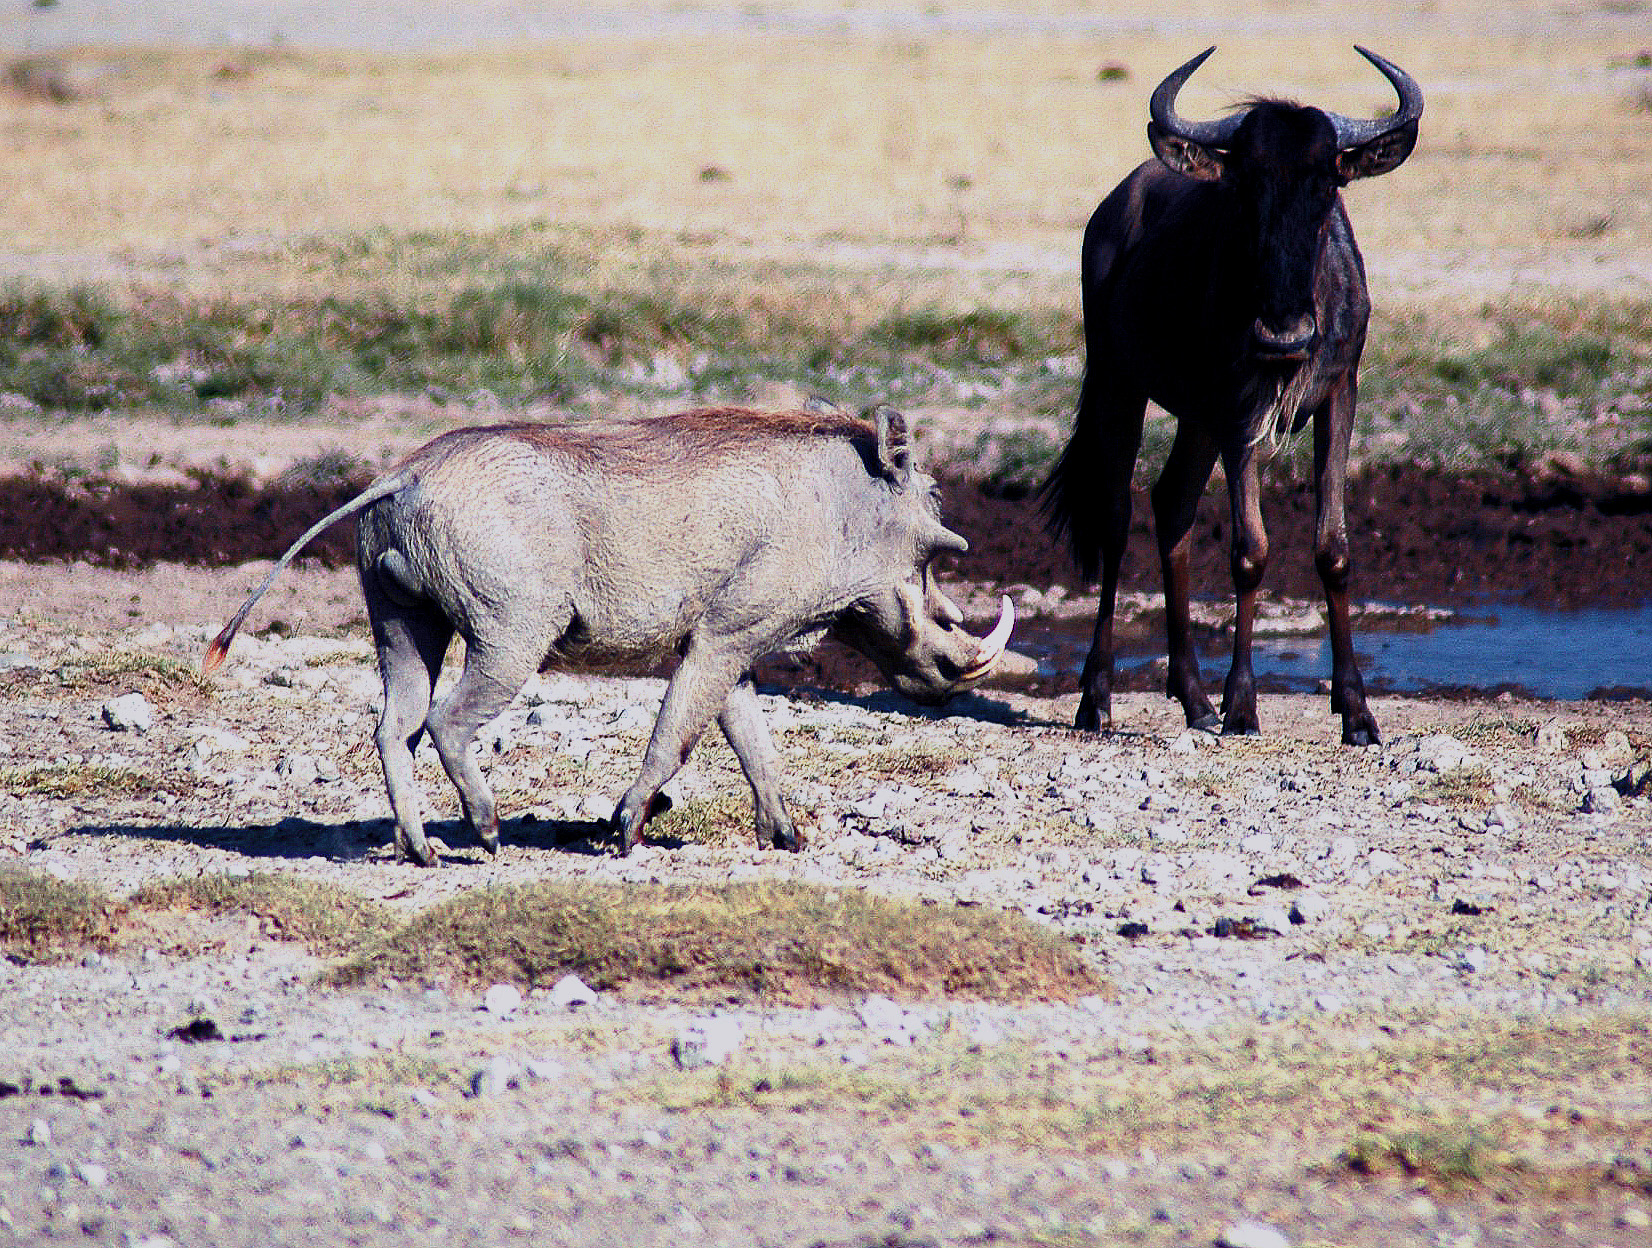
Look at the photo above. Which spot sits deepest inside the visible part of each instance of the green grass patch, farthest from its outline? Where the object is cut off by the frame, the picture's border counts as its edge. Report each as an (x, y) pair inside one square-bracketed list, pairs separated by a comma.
[(326, 919), (980, 336), (780, 942), (45, 919)]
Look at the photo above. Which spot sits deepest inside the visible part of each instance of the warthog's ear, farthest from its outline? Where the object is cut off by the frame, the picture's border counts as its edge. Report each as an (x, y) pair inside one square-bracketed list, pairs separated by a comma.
[(1193, 160), (1382, 154), (894, 451)]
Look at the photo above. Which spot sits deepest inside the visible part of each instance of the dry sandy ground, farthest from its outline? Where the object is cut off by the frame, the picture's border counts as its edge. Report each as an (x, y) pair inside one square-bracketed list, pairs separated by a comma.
[(1473, 962)]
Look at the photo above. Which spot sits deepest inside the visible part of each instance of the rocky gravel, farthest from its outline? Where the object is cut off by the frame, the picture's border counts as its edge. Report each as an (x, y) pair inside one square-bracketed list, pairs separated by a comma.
[(1486, 867)]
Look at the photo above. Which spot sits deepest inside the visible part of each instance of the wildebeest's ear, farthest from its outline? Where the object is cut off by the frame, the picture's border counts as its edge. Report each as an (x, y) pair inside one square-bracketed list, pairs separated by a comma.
[(894, 453), (1193, 160), (1382, 154)]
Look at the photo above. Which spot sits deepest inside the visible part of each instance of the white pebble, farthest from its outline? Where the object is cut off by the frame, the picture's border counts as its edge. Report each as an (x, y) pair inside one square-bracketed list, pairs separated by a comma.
[(502, 1000), (570, 992), (130, 712), (707, 1042), (1252, 1235)]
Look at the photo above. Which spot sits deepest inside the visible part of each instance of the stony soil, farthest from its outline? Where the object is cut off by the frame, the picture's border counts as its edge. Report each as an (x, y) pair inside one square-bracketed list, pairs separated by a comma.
[(1486, 868)]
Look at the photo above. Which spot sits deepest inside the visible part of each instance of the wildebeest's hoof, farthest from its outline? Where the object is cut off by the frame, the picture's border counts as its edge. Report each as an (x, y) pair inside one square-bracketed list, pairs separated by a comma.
[(1360, 734), (490, 838), (1088, 718), (1211, 723)]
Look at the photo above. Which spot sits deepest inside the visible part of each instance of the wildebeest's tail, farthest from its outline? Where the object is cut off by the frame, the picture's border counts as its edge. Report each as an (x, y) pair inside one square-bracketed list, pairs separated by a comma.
[(379, 489), (1069, 495)]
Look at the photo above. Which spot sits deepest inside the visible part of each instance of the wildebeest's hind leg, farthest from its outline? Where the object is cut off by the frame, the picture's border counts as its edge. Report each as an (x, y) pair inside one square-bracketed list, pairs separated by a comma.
[(741, 720), (493, 675), (1176, 497), (1249, 560), (1333, 428), (411, 642), (1089, 496)]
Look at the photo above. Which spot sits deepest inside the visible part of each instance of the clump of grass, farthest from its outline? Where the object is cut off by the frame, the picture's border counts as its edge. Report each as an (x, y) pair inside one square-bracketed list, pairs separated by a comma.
[(327, 469), (327, 920), (60, 780), (129, 667), (1016, 462), (915, 762), (783, 942), (45, 919), (1444, 1157), (705, 821), (1462, 787)]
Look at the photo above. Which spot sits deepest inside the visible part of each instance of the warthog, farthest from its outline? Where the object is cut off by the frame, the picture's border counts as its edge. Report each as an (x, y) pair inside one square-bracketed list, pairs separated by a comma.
[(719, 536)]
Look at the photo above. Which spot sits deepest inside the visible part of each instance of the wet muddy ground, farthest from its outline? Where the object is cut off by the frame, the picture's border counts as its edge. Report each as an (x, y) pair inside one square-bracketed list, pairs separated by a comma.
[(1541, 538), (1544, 539)]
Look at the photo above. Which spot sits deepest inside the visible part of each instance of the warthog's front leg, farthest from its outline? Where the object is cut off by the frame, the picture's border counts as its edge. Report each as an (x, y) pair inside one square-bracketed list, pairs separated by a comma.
[(742, 723), (697, 691)]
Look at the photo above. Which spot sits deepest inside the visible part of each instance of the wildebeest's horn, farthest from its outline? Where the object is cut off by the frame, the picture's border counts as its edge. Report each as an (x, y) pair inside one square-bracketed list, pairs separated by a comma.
[(1353, 133), (1162, 108)]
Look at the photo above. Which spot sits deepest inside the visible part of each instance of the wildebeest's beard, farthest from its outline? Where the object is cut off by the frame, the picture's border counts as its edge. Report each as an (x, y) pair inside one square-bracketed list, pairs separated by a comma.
[(1272, 402)]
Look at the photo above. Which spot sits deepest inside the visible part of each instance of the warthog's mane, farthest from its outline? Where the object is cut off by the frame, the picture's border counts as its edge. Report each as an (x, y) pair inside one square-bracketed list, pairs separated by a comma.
[(704, 433)]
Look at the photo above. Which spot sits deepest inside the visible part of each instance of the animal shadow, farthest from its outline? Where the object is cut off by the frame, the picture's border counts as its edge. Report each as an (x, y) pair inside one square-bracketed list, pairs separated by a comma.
[(366, 840)]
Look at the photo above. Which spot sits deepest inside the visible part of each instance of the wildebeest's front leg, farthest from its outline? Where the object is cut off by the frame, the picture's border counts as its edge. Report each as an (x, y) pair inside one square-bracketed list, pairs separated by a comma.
[(697, 692), (1333, 428), (741, 720), (1249, 560), (1175, 506)]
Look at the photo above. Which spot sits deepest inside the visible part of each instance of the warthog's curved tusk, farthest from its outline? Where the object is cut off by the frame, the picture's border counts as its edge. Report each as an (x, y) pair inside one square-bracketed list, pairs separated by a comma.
[(992, 645)]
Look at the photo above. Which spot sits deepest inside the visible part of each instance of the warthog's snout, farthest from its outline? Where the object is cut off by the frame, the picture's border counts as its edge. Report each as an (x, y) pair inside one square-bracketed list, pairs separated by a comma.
[(917, 640)]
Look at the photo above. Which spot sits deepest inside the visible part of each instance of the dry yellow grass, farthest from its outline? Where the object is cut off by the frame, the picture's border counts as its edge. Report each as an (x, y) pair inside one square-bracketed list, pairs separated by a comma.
[(784, 157)]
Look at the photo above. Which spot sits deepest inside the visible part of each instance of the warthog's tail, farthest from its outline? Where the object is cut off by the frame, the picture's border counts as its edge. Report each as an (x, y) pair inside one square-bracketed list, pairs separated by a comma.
[(382, 489)]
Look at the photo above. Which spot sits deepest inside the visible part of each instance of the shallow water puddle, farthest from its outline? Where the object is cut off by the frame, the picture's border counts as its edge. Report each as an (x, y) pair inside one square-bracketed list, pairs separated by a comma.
[(1598, 652)]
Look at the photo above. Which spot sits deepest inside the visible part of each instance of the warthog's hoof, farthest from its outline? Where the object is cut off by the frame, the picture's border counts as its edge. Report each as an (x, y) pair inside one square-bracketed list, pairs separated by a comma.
[(425, 857), (787, 838)]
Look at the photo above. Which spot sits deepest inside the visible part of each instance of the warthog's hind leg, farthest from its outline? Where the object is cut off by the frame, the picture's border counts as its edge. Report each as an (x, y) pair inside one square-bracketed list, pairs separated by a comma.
[(411, 644), (492, 677)]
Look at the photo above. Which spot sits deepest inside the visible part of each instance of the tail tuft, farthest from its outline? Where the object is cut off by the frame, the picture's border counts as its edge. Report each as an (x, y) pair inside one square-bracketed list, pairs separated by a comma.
[(216, 652)]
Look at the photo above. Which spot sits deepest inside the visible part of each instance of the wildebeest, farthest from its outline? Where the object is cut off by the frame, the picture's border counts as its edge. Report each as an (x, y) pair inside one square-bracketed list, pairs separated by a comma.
[(719, 536), (1221, 281)]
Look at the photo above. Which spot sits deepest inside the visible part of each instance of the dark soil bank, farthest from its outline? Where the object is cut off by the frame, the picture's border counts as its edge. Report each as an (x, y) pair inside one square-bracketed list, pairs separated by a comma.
[(1418, 536)]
